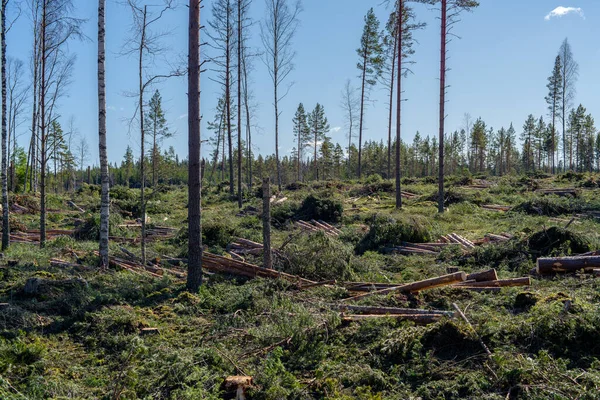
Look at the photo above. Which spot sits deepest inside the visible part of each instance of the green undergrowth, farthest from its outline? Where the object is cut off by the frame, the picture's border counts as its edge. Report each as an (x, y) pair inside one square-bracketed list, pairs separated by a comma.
[(86, 333)]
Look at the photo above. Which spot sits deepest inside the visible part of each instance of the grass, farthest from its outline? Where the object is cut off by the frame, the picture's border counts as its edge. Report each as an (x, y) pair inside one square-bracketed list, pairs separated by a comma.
[(81, 336)]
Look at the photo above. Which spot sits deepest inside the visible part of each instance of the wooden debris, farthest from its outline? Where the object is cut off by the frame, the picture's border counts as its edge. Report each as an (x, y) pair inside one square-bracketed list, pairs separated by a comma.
[(559, 192), (566, 264), (149, 331), (482, 276), (495, 207), (525, 281), (416, 318), (408, 195), (391, 310), (316, 226), (322, 283), (431, 283), (75, 206), (237, 385)]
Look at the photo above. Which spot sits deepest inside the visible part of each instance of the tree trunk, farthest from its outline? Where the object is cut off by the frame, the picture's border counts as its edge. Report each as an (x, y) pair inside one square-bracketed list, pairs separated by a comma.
[(239, 101), (362, 110), (389, 149), (142, 136), (194, 277), (43, 131), (105, 197), (5, 220), (444, 21), (399, 104), (228, 99), (567, 264), (268, 262)]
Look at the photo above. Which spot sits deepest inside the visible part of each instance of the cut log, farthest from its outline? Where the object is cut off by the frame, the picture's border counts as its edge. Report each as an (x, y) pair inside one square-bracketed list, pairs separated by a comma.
[(416, 318), (431, 283), (237, 386), (482, 276), (249, 243), (322, 283), (525, 281), (566, 264), (392, 310)]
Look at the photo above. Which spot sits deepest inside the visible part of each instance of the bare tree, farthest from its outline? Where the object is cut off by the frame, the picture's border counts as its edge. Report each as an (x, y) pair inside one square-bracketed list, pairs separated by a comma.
[(194, 277), (105, 196), (17, 96), (450, 10), (351, 106), (56, 29), (222, 40), (569, 74), (146, 44), (277, 32)]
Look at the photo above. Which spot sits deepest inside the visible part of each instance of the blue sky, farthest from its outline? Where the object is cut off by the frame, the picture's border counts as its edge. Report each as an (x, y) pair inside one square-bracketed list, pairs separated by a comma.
[(499, 68)]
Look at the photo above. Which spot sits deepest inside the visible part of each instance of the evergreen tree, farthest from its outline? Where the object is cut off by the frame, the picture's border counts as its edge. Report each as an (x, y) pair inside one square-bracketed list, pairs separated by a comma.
[(527, 139), (317, 122), (302, 137), (554, 97), (370, 64), (156, 124)]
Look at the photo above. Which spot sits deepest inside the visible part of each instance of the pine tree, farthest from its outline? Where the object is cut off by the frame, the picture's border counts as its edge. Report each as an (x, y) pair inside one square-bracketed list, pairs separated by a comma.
[(554, 97), (156, 124), (527, 139), (317, 122), (302, 137), (370, 65)]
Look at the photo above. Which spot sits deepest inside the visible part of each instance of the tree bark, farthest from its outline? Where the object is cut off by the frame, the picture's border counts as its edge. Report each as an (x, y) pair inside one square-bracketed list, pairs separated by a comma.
[(239, 101), (194, 277), (444, 21), (43, 130), (399, 104), (362, 110), (105, 196), (5, 219), (567, 264)]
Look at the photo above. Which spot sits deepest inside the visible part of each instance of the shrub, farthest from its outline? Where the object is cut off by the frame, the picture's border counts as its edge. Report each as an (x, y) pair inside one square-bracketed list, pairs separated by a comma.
[(390, 232), (319, 257), (90, 229), (320, 209), (555, 240), (550, 206)]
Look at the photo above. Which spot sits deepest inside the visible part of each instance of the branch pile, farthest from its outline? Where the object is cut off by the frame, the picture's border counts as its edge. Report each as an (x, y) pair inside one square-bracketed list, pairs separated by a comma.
[(315, 226)]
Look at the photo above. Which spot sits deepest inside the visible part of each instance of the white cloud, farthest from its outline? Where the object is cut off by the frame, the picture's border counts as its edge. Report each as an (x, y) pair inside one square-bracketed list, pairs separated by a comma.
[(335, 129), (562, 11)]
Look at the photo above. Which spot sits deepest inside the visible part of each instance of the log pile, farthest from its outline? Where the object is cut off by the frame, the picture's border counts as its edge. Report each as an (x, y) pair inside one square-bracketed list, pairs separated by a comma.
[(360, 313), (33, 235), (557, 265), (478, 281), (215, 263), (457, 239), (558, 192), (495, 207), (316, 226), (244, 246), (497, 238)]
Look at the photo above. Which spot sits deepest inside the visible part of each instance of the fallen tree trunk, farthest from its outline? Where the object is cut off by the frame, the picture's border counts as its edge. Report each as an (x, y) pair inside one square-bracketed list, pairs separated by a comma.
[(416, 318), (526, 281), (566, 264), (431, 283), (392, 310), (483, 276)]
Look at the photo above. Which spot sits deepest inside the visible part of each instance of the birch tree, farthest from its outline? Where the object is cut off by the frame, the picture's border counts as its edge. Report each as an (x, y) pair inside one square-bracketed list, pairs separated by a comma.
[(569, 75), (277, 32), (105, 196)]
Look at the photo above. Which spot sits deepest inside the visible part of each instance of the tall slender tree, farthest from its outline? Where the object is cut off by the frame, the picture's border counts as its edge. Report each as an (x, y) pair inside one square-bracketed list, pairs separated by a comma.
[(302, 135), (317, 122), (350, 105), (194, 276), (554, 98), (370, 64), (569, 74), (450, 10), (105, 196), (156, 124), (4, 177), (277, 32)]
